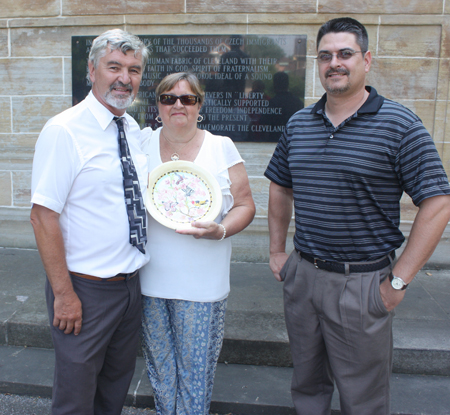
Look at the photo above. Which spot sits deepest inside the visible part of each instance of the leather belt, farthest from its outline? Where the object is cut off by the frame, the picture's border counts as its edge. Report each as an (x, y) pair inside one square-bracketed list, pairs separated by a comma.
[(339, 267), (118, 277)]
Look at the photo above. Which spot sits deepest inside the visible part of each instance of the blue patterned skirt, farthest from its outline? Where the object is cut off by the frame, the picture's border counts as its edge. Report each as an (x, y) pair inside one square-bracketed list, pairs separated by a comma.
[(181, 341)]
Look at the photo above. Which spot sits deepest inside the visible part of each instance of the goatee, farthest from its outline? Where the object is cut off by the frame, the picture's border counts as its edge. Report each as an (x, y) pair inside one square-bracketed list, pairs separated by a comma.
[(338, 89), (120, 103)]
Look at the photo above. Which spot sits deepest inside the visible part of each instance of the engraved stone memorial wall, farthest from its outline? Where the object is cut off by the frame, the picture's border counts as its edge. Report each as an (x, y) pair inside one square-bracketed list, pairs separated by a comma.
[(252, 84)]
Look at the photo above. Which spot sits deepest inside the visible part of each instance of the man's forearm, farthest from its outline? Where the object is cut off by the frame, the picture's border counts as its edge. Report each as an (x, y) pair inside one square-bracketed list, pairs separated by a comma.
[(426, 232), (50, 244)]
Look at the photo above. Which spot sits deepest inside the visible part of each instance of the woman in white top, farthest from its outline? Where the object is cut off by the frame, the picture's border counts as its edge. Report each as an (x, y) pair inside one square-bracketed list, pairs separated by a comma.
[(186, 283)]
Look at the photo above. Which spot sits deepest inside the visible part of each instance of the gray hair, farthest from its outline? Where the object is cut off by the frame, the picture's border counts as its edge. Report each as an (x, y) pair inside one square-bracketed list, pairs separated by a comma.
[(117, 39)]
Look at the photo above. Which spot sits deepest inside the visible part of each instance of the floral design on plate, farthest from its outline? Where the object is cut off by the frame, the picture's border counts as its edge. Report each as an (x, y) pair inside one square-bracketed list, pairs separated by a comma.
[(181, 192), (182, 196)]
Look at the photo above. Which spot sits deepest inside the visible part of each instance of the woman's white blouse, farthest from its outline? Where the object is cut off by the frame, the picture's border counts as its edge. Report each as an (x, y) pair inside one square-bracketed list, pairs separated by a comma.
[(182, 267)]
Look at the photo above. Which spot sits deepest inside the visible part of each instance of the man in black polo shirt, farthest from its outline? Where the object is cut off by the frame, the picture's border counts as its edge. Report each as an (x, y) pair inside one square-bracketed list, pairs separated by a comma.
[(345, 163)]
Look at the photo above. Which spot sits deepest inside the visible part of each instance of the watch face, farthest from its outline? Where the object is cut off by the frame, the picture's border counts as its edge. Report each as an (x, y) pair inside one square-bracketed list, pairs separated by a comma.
[(397, 283)]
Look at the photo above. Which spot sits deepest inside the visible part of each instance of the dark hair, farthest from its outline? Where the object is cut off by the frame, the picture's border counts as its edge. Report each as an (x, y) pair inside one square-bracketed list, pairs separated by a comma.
[(345, 24)]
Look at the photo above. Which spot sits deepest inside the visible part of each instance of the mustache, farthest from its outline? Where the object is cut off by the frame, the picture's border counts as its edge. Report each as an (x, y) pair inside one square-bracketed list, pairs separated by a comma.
[(338, 70), (119, 84)]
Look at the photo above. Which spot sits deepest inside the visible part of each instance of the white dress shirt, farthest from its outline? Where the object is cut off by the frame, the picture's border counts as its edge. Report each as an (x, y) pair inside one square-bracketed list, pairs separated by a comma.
[(77, 173)]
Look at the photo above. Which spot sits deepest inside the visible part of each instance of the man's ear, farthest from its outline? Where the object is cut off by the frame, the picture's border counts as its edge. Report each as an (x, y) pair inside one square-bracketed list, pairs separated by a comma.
[(91, 71), (367, 61)]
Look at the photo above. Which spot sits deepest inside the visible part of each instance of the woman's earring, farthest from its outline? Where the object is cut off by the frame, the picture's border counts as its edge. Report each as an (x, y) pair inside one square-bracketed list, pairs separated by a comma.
[(200, 118), (158, 119)]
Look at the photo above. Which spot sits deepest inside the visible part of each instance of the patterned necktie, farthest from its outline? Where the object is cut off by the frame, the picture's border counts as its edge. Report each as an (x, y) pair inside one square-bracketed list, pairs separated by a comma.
[(133, 197)]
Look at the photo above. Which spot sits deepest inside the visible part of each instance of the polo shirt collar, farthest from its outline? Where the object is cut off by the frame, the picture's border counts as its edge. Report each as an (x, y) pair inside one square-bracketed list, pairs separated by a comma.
[(372, 104), (102, 114)]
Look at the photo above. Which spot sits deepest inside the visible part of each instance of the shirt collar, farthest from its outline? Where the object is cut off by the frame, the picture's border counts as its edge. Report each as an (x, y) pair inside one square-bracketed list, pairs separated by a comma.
[(102, 114), (371, 105)]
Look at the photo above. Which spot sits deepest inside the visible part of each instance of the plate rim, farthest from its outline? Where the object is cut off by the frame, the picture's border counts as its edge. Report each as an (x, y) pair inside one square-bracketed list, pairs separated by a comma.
[(193, 168)]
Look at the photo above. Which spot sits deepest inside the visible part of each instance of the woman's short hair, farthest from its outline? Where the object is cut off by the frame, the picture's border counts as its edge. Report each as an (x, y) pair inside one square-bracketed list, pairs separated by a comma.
[(169, 82)]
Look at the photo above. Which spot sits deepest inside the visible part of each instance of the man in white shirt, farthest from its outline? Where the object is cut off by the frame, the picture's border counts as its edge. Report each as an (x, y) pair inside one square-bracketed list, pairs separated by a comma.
[(84, 231)]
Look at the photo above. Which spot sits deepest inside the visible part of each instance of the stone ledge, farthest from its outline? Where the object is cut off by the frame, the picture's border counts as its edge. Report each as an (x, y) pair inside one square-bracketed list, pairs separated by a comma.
[(251, 245), (15, 228)]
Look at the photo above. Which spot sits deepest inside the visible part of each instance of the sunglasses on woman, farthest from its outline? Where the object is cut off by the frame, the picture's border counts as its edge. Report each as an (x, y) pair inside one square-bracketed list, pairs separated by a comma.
[(168, 99)]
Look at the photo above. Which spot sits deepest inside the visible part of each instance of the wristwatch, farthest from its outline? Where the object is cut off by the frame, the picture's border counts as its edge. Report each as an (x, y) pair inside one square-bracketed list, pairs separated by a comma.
[(397, 283)]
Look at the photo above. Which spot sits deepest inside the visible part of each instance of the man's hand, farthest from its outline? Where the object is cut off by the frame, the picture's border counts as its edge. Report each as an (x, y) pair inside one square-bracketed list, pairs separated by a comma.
[(280, 214), (426, 232), (391, 298), (277, 260), (68, 313)]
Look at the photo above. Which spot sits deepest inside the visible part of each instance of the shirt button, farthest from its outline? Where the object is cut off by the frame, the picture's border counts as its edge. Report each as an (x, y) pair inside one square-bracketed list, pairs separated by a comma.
[(331, 136)]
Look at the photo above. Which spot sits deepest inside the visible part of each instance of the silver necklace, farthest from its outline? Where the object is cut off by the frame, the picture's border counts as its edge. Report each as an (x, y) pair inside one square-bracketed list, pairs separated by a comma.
[(175, 156)]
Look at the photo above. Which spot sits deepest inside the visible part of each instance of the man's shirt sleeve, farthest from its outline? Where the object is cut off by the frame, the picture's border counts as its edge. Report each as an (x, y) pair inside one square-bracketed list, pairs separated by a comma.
[(278, 169), (55, 165), (419, 166)]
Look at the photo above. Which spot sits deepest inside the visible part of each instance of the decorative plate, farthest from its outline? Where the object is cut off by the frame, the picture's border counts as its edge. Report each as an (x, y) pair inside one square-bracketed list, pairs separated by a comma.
[(180, 192)]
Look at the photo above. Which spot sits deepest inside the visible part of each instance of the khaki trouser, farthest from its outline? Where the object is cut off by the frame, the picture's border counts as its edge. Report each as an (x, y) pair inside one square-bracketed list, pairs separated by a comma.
[(339, 331)]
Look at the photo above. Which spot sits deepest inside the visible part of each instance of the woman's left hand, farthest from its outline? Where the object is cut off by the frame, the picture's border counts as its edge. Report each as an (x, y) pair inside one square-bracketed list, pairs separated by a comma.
[(206, 229)]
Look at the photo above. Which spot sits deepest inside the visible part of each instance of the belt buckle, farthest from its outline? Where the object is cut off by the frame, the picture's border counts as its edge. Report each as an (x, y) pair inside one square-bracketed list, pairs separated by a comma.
[(315, 262), (129, 275)]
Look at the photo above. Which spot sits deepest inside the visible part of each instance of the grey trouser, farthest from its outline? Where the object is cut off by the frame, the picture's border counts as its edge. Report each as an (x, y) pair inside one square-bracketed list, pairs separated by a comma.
[(93, 370), (339, 330)]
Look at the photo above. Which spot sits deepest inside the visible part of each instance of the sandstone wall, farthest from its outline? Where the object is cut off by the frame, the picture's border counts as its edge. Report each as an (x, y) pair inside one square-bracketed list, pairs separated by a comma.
[(409, 40)]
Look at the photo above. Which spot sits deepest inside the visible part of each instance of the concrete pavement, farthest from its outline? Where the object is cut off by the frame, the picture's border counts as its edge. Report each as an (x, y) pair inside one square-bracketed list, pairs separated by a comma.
[(254, 374)]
